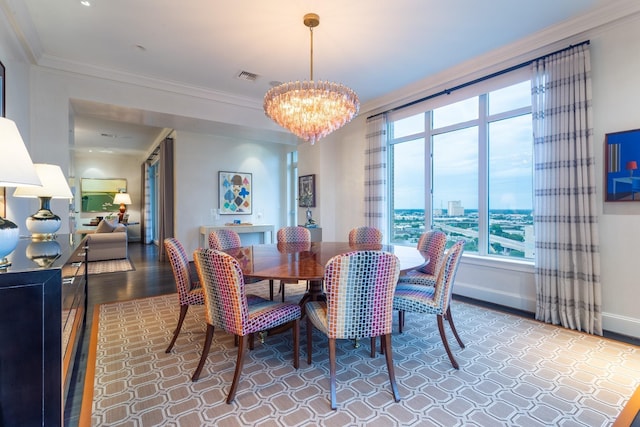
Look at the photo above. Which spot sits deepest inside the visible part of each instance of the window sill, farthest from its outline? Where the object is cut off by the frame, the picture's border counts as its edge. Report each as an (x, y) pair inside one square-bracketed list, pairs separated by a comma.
[(499, 263)]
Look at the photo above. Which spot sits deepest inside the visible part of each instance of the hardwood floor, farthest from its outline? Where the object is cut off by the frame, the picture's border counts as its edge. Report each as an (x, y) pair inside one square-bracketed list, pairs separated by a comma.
[(149, 278)]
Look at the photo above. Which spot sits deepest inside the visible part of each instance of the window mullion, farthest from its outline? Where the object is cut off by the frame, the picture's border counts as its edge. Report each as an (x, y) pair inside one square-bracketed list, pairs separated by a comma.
[(483, 177)]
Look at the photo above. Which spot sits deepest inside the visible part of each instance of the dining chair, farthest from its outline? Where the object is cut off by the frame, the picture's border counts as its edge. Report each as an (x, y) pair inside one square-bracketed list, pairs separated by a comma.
[(359, 289), (365, 235), (227, 308), (223, 239), (433, 300), (434, 243), (187, 285), (292, 234)]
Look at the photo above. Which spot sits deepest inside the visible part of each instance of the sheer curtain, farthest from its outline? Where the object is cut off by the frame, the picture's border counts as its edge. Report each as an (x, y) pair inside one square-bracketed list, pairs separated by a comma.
[(146, 220), (565, 206), (375, 185)]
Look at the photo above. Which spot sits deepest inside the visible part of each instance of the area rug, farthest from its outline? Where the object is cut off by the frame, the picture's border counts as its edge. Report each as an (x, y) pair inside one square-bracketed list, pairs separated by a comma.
[(513, 372), (110, 266)]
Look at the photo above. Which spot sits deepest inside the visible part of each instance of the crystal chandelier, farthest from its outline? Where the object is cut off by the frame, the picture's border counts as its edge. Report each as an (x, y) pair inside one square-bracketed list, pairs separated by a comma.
[(311, 109)]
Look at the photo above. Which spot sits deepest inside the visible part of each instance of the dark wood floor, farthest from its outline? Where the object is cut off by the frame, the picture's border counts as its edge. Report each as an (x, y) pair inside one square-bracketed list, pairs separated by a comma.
[(150, 278)]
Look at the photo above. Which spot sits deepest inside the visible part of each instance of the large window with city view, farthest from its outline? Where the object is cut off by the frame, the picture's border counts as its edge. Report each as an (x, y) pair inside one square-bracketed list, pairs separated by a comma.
[(466, 168)]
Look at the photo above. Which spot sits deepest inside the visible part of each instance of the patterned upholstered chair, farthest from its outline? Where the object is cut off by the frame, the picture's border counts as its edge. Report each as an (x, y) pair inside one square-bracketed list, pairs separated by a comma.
[(226, 307), (433, 243), (224, 239), (365, 235), (433, 300), (189, 290), (294, 234), (359, 288)]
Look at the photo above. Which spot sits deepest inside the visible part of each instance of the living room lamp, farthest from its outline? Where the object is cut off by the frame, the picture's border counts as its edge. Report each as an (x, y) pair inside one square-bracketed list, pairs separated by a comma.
[(124, 199), (311, 109), (16, 169), (44, 223)]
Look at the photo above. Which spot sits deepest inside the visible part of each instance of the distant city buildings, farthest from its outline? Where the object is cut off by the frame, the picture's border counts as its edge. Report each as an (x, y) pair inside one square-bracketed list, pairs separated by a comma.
[(511, 231)]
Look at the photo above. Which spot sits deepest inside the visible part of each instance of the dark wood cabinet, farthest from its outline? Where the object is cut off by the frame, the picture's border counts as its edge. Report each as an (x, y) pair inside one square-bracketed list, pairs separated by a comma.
[(42, 308)]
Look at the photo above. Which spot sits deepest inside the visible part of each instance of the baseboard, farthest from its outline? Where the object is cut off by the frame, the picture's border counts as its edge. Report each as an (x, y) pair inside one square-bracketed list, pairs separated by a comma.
[(494, 296)]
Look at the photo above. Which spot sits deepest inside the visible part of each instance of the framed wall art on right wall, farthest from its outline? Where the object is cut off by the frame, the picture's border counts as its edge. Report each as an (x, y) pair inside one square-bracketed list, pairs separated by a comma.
[(622, 176)]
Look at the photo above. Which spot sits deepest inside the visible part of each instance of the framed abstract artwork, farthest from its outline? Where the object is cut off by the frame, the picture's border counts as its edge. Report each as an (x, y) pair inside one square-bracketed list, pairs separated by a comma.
[(235, 193), (307, 191), (622, 176), (97, 193)]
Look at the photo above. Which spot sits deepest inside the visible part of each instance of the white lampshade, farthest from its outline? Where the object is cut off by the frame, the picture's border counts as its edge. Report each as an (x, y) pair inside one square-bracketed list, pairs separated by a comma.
[(44, 223), (54, 184), (16, 169), (121, 198)]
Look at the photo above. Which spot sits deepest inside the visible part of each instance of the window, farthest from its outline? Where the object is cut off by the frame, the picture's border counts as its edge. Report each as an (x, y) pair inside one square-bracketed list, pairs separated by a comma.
[(466, 168)]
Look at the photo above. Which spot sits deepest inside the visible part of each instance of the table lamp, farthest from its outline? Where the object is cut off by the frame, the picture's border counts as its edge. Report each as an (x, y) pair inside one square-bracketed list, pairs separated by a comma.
[(124, 199), (44, 223), (631, 166), (16, 170)]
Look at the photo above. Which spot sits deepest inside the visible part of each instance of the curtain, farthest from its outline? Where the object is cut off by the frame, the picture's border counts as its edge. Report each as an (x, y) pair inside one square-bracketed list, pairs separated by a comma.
[(165, 199), (146, 222), (375, 185), (565, 206)]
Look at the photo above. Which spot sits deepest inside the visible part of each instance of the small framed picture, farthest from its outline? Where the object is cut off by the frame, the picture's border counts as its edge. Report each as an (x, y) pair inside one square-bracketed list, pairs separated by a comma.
[(307, 191), (622, 177), (235, 193)]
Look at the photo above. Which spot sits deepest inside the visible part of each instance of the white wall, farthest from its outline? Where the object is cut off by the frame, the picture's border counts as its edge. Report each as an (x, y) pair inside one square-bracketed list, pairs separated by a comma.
[(616, 90), (198, 158)]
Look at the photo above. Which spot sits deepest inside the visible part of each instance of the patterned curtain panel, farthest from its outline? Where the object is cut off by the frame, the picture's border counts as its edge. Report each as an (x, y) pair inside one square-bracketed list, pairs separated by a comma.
[(565, 215), (375, 184)]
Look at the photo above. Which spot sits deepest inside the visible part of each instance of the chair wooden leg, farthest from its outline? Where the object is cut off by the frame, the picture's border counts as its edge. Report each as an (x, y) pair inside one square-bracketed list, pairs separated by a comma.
[(453, 328), (400, 320), (183, 314), (242, 350), (282, 289), (332, 371), (373, 346), (445, 342), (271, 290), (309, 341), (205, 352), (252, 339), (296, 343), (386, 340)]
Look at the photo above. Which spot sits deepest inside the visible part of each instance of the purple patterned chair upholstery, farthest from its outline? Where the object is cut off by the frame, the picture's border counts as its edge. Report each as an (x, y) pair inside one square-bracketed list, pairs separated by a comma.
[(227, 308), (365, 235), (359, 290), (433, 300), (189, 290), (434, 243), (224, 239), (293, 234)]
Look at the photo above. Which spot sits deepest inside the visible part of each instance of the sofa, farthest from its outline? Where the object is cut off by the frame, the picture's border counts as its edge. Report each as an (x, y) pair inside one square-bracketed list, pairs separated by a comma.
[(108, 241)]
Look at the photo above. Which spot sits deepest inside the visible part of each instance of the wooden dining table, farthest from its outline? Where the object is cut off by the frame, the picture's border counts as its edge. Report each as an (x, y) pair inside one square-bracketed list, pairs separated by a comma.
[(306, 261)]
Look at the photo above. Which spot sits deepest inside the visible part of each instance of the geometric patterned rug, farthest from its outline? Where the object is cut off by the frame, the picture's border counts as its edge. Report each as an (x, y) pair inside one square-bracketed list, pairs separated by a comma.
[(514, 371), (110, 266)]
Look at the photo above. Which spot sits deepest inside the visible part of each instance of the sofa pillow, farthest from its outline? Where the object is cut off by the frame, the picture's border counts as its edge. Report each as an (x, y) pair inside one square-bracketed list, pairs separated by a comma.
[(105, 226), (120, 228)]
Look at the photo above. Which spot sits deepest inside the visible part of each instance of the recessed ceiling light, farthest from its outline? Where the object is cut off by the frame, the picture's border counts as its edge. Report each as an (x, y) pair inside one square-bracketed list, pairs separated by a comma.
[(85, 2)]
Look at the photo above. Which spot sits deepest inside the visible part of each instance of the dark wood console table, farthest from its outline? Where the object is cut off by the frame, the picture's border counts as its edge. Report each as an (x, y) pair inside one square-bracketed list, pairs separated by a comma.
[(42, 308)]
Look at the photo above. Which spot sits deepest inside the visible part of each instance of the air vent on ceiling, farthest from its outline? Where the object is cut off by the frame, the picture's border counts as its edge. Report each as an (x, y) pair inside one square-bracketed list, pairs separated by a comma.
[(245, 75)]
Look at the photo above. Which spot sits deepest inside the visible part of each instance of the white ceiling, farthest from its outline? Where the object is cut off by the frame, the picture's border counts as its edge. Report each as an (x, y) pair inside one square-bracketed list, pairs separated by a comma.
[(374, 47)]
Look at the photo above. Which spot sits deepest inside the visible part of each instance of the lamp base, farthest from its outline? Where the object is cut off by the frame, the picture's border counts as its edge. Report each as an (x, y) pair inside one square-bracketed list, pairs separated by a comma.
[(9, 235), (43, 224)]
